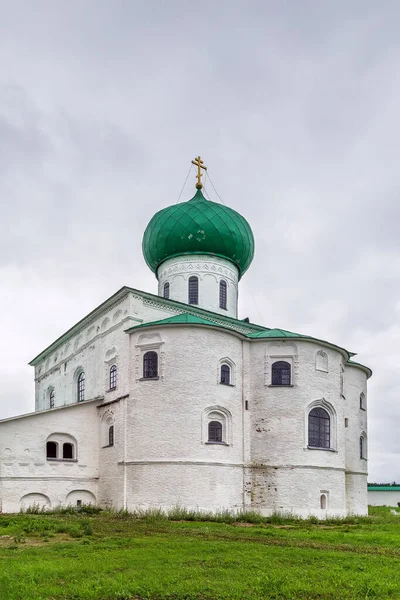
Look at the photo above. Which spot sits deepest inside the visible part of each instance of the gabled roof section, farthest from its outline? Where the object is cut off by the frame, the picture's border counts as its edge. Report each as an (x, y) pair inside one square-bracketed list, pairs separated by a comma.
[(241, 326)]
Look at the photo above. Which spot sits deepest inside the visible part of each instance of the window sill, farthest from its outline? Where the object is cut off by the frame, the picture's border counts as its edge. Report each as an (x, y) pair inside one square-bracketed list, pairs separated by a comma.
[(149, 379), (364, 409), (223, 308), (61, 459), (227, 384), (318, 448), (111, 390), (281, 385), (108, 446), (216, 443)]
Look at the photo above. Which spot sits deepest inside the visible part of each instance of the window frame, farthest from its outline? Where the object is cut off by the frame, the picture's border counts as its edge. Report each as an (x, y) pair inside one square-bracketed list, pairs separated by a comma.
[(47, 450), (111, 435), (280, 370), (193, 292), (223, 294), (327, 433), (148, 374), (52, 397), (216, 427), (112, 380), (224, 367), (166, 290), (71, 445), (80, 386)]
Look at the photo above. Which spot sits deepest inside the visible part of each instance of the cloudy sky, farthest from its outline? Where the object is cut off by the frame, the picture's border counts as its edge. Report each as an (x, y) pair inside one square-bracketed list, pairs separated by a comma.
[(294, 108)]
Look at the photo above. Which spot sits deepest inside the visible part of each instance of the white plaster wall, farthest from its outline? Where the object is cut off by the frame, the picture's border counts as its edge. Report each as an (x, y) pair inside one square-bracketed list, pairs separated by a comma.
[(355, 382), (165, 418), (296, 474), (24, 468), (383, 498), (209, 270), (101, 344)]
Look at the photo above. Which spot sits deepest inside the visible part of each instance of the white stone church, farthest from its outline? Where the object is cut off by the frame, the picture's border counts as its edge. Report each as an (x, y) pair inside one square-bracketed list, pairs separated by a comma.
[(172, 400)]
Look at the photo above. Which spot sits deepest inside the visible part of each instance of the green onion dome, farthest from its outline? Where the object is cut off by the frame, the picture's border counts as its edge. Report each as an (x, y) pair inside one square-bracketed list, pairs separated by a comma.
[(198, 227)]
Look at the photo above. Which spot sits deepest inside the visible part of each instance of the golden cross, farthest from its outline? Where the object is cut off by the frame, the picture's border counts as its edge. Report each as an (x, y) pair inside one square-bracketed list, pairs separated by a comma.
[(199, 164)]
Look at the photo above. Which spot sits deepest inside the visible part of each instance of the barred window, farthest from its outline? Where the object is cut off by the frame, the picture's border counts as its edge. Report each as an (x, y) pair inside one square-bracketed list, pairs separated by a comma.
[(215, 431), (113, 377), (280, 373), (222, 294), (225, 374), (111, 435), (52, 398), (51, 450), (150, 365), (319, 428), (81, 387), (193, 290), (166, 290), (68, 450)]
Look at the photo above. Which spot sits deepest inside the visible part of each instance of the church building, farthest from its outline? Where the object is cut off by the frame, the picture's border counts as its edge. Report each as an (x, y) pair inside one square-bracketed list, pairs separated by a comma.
[(170, 399)]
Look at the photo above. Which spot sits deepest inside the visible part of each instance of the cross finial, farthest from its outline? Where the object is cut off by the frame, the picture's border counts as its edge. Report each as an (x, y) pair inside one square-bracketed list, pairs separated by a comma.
[(199, 164)]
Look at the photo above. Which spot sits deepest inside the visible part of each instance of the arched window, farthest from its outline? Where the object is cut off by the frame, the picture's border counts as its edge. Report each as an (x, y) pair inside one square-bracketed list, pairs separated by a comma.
[(281, 373), (319, 428), (363, 405), (150, 365), (215, 431), (81, 387), (113, 377), (111, 435), (323, 501), (166, 290), (225, 374), (51, 398), (362, 447), (51, 449), (222, 294), (193, 290), (68, 450)]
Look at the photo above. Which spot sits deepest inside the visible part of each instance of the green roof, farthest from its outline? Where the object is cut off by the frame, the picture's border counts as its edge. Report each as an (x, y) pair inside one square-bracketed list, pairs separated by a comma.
[(198, 227), (384, 488), (184, 318), (277, 333)]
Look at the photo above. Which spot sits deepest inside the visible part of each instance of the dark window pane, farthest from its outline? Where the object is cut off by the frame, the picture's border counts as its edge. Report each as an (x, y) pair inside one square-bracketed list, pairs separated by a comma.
[(81, 387), (113, 377), (51, 449), (319, 428), (281, 373), (214, 431), (166, 290), (225, 374), (150, 365), (361, 447), (52, 398), (111, 435), (193, 290), (68, 450), (222, 294)]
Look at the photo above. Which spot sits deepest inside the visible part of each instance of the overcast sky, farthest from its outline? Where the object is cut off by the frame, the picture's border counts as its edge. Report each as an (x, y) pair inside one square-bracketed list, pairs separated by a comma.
[(294, 107)]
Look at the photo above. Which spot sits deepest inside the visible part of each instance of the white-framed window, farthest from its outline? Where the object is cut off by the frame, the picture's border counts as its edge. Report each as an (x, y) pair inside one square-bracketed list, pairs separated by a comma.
[(193, 290), (113, 377), (166, 290), (363, 445), (61, 446), (281, 373), (320, 426), (226, 371), (217, 426), (223, 294)]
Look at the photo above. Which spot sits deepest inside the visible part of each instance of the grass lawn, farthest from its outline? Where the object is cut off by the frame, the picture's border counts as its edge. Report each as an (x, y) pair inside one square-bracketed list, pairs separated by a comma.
[(118, 557)]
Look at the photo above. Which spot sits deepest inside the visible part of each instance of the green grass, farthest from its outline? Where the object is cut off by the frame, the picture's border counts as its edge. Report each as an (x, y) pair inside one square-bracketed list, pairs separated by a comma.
[(183, 556)]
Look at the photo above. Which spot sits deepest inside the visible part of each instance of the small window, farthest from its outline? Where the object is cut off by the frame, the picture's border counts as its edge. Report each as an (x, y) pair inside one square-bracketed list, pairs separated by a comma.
[(281, 373), (52, 398), (113, 377), (321, 361), (51, 449), (166, 290), (193, 290), (81, 387), (150, 365), (319, 428), (363, 404), (79, 502), (225, 375), (222, 294), (111, 435), (323, 501), (215, 431), (362, 447), (68, 450)]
